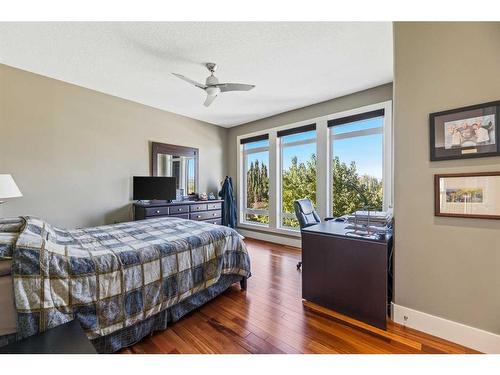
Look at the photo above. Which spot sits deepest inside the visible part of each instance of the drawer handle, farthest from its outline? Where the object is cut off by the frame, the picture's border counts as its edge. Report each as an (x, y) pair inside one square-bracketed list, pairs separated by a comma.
[(198, 216), (180, 209), (214, 214), (157, 211)]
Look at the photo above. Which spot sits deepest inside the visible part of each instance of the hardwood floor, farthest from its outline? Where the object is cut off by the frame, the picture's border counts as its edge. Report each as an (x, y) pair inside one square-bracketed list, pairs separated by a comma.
[(271, 318)]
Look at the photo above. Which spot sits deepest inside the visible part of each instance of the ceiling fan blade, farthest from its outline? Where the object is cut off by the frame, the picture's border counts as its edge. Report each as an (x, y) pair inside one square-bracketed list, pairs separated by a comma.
[(224, 87), (209, 100), (189, 80)]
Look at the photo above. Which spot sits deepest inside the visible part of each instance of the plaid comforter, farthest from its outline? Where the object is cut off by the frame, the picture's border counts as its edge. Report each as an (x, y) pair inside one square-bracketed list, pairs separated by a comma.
[(111, 277)]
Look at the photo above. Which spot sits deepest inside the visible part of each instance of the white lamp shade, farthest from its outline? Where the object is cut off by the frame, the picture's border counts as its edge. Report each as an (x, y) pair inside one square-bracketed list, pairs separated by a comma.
[(8, 188)]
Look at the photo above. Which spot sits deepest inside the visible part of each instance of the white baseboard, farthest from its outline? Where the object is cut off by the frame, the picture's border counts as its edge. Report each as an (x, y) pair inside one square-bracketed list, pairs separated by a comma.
[(459, 333), (282, 240)]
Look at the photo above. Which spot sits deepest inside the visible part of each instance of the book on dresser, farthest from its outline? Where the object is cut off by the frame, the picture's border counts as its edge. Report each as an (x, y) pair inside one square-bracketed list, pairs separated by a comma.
[(209, 211)]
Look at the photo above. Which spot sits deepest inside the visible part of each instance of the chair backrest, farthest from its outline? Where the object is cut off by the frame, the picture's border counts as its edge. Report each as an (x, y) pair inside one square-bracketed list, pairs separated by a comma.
[(305, 213)]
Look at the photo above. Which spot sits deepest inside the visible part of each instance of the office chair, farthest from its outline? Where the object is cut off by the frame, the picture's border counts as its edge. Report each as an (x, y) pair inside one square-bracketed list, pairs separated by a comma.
[(306, 215)]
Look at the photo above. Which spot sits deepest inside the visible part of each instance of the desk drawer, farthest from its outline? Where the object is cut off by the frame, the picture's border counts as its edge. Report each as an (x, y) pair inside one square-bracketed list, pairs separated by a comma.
[(198, 207), (214, 206), (156, 211), (174, 210), (205, 215)]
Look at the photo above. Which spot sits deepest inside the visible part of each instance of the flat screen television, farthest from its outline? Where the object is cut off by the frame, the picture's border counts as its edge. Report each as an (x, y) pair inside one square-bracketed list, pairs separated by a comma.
[(154, 188)]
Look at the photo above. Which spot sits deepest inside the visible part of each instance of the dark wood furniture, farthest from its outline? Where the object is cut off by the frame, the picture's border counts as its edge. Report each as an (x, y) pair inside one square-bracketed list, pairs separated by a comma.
[(209, 211), (164, 148), (67, 338), (158, 149), (346, 274)]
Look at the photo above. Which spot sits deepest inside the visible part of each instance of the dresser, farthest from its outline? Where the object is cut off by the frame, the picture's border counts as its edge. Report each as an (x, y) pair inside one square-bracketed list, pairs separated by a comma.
[(208, 211)]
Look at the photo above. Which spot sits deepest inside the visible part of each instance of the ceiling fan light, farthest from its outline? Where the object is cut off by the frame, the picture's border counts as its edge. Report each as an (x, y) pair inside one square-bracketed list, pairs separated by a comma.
[(212, 90)]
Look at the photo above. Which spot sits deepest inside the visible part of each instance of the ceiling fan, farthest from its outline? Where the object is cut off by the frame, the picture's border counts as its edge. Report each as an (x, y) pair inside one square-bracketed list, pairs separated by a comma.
[(212, 86)]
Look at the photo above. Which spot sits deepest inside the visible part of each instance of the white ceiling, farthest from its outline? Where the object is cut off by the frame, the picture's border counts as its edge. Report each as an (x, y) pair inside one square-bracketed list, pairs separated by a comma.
[(292, 64)]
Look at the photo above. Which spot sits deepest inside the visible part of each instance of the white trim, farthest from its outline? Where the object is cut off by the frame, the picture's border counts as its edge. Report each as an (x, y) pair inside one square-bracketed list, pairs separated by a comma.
[(388, 158), (256, 211), (281, 147), (261, 227), (387, 166), (242, 183), (474, 338), (273, 170), (281, 240)]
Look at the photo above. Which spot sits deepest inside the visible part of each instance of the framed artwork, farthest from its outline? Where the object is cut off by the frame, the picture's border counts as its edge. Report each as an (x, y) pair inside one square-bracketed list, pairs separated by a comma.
[(472, 195), (468, 132)]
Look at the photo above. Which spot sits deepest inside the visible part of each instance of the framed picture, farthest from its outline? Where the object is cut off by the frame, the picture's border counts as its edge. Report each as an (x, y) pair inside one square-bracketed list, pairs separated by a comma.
[(472, 195), (469, 132)]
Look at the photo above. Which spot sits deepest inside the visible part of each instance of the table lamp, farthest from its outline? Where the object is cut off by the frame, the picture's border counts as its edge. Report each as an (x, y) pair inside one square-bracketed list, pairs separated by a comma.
[(8, 188)]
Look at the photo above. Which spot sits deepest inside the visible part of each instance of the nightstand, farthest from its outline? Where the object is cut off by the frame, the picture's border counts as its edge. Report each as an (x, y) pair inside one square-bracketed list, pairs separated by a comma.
[(67, 338)]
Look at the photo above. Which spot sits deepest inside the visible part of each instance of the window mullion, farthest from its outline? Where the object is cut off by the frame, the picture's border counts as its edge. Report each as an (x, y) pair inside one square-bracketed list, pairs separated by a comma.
[(273, 182), (322, 168)]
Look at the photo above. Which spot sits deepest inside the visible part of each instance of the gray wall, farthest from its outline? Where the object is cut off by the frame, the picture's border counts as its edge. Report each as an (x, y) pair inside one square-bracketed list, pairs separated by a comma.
[(73, 151), (448, 267)]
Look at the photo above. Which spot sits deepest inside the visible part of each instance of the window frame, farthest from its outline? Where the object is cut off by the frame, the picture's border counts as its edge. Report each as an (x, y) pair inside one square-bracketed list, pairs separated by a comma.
[(323, 180), (387, 150), (245, 210), (281, 146)]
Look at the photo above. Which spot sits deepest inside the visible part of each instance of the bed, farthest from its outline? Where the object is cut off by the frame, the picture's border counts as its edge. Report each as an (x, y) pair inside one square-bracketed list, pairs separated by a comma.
[(122, 281)]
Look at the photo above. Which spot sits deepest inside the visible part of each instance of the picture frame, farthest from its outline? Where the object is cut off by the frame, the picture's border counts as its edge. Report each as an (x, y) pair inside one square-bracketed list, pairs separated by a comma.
[(467, 132), (467, 195)]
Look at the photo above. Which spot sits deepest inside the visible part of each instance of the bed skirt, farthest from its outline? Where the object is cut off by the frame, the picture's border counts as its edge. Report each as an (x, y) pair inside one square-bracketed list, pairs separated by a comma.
[(130, 335)]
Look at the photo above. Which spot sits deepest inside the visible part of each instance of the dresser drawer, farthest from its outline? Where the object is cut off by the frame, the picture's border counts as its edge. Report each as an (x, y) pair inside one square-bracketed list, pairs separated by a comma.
[(173, 210), (180, 216), (156, 211), (214, 221), (198, 207), (214, 206), (205, 215)]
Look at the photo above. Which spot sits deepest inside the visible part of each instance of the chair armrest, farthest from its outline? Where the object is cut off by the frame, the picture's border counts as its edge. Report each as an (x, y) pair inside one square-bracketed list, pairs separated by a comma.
[(340, 219)]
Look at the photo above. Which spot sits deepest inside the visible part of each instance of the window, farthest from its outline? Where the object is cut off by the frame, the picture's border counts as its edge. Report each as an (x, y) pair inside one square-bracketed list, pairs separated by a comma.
[(357, 165), (342, 162), (255, 152), (298, 170)]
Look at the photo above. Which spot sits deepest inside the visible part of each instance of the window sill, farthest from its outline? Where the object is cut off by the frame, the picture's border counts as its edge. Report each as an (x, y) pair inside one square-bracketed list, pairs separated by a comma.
[(262, 228)]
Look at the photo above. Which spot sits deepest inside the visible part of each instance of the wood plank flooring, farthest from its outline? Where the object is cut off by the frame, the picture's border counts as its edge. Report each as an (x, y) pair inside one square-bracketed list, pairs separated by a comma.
[(270, 317)]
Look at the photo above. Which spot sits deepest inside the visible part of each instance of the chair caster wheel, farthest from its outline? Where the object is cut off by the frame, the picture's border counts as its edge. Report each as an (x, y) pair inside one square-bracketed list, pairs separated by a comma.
[(299, 265)]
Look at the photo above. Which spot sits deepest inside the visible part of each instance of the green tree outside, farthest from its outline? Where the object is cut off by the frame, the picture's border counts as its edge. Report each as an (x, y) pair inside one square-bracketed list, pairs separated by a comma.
[(299, 181)]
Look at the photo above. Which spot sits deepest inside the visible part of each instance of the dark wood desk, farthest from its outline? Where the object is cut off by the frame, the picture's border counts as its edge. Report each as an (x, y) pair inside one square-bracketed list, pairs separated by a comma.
[(68, 338), (346, 274)]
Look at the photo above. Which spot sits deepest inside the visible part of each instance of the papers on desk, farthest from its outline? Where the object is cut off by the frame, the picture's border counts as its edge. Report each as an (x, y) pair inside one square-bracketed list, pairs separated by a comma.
[(370, 222), (371, 229)]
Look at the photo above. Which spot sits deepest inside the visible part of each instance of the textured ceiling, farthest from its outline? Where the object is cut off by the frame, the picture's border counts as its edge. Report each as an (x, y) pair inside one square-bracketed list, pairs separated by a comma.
[(292, 64)]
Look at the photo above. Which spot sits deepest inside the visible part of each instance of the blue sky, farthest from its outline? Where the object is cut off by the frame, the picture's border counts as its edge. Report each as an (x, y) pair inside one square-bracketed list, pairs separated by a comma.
[(366, 151)]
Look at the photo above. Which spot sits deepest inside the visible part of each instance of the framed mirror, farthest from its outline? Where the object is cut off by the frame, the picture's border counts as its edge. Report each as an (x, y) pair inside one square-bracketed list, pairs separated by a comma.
[(176, 161)]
